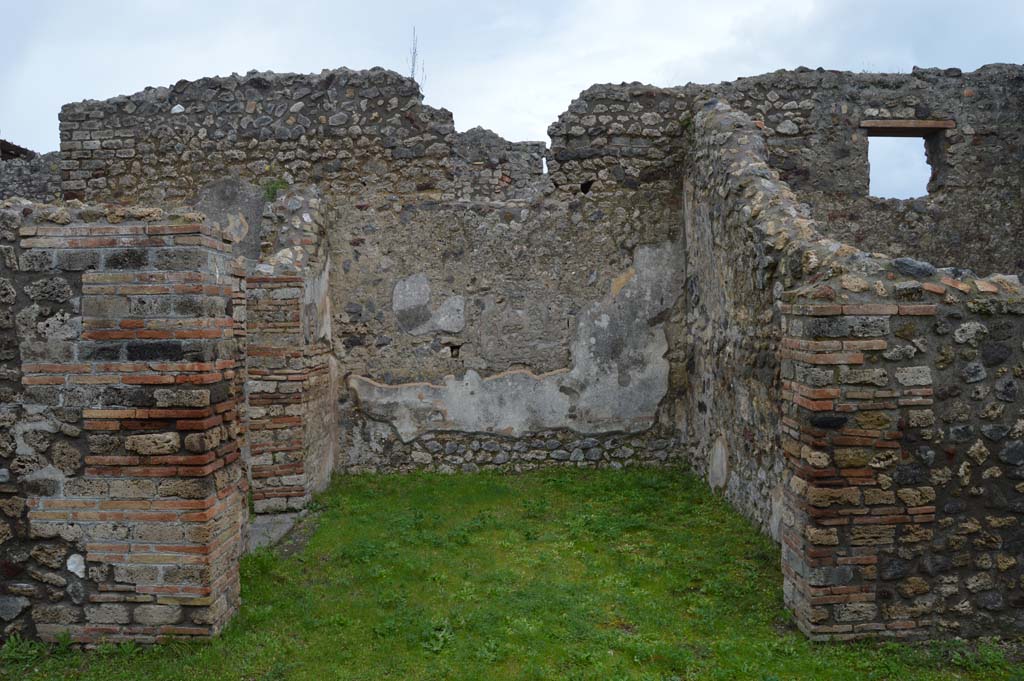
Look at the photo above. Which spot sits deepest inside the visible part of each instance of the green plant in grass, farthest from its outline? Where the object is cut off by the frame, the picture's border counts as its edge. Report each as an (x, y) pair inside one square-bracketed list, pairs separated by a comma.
[(17, 651)]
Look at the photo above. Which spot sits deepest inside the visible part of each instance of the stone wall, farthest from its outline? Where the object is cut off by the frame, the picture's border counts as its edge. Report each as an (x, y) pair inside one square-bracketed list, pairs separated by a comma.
[(903, 423), (390, 295), (37, 178), (292, 382), (40, 438), (293, 425), (123, 487), (488, 324), (615, 134), (340, 128), (975, 203), (373, 448), (346, 131), (807, 130), (725, 347), (904, 426), (900, 448)]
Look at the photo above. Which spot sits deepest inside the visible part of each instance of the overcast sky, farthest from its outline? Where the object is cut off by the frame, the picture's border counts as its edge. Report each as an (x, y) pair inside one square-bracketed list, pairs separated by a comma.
[(508, 66)]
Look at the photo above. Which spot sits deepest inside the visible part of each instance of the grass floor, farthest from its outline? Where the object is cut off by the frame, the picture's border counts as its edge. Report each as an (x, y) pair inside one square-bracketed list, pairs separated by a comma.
[(552, 575)]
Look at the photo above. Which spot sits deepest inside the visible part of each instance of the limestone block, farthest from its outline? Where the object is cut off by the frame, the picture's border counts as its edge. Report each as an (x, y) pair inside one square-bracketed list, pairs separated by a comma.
[(153, 443)]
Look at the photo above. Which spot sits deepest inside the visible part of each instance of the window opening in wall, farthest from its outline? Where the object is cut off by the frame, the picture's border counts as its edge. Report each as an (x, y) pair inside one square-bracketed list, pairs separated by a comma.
[(544, 165), (899, 167)]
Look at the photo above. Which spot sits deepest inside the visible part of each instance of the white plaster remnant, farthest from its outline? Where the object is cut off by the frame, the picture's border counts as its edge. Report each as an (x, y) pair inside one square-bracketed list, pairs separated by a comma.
[(76, 565), (410, 301), (718, 468), (618, 377)]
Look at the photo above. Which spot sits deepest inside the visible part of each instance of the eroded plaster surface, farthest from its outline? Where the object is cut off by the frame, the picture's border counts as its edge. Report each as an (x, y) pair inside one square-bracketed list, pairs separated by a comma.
[(411, 304), (617, 379)]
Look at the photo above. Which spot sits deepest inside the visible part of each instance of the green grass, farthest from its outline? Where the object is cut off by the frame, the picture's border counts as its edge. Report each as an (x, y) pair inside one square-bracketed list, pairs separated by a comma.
[(551, 575), (272, 188)]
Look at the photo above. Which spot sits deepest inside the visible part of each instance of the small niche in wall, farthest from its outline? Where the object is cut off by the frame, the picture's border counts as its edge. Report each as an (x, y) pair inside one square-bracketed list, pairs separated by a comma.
[(899, 167)]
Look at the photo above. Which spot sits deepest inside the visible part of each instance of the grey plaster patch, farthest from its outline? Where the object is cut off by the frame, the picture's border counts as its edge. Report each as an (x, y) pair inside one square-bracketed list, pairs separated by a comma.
[(267, 529), (234, 206), (411, 304), (778, 504), (316, 303), (618, 377), (49, 474), (25, 426), (718, 469)]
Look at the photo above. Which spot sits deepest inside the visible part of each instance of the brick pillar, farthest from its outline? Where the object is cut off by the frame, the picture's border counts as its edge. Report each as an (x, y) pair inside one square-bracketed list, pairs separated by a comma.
[(849, 505), (291, 396), (160, 504)]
